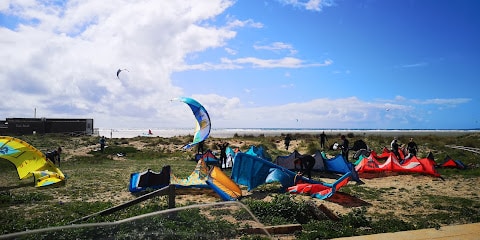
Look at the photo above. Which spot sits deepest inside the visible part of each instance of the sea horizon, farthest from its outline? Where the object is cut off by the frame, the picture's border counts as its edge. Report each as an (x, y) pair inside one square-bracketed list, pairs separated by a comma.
[(231, 132)]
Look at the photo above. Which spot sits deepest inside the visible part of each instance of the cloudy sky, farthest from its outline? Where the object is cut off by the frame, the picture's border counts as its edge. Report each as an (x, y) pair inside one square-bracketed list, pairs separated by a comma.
[(275, 63)]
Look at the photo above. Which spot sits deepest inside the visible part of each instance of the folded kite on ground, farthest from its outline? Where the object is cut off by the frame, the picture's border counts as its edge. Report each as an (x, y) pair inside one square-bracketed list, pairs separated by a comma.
[(140, 181), (227, 189), (29, 162), (321, 190)]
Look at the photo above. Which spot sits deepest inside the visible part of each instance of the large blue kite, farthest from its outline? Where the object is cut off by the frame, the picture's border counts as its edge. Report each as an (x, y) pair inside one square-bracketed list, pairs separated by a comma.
[(203, 126)]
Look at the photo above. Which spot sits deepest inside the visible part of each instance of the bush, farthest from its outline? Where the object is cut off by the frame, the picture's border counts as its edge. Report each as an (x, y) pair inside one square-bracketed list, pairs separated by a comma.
[(282, 209)]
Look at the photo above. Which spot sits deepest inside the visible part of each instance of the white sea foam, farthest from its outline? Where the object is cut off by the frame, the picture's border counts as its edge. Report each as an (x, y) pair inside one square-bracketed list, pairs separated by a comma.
[(230, 132)]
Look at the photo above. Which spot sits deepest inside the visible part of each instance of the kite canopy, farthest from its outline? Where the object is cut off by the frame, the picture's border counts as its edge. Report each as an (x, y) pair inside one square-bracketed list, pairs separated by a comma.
[(451, 163), (252, 171), (388, 162), (225, 187), (119, 71), (321, 190), (202, 128), (29, 161)]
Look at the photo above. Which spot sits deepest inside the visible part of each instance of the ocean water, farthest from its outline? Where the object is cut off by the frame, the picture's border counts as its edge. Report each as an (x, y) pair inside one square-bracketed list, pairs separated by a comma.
[(230, 132)]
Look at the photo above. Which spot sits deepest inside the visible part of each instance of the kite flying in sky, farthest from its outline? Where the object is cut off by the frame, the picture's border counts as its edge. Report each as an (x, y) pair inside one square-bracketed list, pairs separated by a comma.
[(120, 70)]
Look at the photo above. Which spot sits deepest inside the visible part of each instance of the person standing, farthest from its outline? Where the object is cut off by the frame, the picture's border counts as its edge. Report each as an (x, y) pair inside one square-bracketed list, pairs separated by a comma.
[(344, 147), (102, 142), (200, 148), (287, 141), (223, 154), (323, 139), (391, 143), (394, 146), (412, 148)]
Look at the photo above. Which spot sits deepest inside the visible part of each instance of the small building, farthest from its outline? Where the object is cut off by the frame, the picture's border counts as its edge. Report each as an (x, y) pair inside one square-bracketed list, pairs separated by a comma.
[(27, 126)]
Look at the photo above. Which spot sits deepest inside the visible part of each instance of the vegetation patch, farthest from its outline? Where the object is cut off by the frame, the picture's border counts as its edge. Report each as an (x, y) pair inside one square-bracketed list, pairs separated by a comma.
[(97, 181)]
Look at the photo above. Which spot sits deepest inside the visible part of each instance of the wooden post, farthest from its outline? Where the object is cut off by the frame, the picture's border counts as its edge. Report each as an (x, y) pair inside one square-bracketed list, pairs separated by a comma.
[(171, 196)]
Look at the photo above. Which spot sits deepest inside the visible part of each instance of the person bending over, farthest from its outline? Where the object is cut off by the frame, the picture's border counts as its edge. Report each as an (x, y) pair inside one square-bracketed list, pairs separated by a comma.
[(54, 156), (306, 164)]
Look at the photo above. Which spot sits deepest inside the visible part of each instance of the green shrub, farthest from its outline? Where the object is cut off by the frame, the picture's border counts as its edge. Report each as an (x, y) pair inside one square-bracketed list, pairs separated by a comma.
[(282, 209)]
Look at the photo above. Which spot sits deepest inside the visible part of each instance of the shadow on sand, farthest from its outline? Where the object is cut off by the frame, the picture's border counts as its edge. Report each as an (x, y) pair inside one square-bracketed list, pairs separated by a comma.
[(347, 200), (21, 185)]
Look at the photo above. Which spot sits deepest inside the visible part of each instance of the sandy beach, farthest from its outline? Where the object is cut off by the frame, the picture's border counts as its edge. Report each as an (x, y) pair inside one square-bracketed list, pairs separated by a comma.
[(407, 197), (230, 132)]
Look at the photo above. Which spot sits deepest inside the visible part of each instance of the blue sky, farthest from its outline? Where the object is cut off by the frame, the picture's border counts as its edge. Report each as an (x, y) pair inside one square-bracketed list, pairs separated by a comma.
[(281, 63)]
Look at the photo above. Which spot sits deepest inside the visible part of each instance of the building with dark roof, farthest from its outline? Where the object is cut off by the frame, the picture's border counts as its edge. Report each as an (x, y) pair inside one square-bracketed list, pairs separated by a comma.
[(27, 126)]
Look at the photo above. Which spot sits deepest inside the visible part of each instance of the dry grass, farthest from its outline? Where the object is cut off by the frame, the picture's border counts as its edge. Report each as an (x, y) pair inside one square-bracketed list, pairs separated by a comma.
[(94, 178)]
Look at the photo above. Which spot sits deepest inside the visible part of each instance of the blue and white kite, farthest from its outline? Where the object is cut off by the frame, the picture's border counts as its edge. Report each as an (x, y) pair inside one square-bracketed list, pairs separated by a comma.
[(203, 126)]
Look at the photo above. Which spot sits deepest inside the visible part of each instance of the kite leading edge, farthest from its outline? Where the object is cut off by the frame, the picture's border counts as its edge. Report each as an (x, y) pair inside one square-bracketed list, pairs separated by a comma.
[(203, 126)]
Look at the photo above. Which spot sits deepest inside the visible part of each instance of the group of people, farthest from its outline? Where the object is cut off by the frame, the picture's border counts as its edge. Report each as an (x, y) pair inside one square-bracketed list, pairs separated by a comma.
[(222, 146), (306, 162), (55, 155), (412, 149), (344, 147)]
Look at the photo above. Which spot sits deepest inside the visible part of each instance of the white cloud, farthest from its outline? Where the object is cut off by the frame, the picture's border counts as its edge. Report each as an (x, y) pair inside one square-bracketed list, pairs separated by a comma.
[(419, 64), (247, 90), (445, 101), (277, 47), (312, 5), (290, 85), (286, 62), (65, 63), (253, 62), (62, 60), (318, 113), (234, 23), (231, 51)]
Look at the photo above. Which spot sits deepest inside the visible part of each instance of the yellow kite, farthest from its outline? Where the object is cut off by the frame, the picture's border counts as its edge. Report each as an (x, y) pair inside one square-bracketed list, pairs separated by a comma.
[(29, 162)]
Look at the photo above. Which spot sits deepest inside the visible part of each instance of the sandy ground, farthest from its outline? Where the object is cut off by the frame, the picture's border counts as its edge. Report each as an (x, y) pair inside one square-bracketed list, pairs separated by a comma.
[(399, 194)]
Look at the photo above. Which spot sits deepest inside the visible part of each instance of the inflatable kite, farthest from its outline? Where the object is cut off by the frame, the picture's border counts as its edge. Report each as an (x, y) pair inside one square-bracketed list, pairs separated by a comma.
[(200, 177), (252, 171), (225, 187), (141, 181), (321, 190), (197, 178), (208, 157), (388, 162), (29, 162), (119, 71), (202, 128), (449, 162)]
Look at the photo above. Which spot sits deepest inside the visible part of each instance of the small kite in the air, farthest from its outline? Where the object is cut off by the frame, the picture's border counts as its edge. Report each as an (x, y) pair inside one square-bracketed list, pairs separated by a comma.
[(120, 70)]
